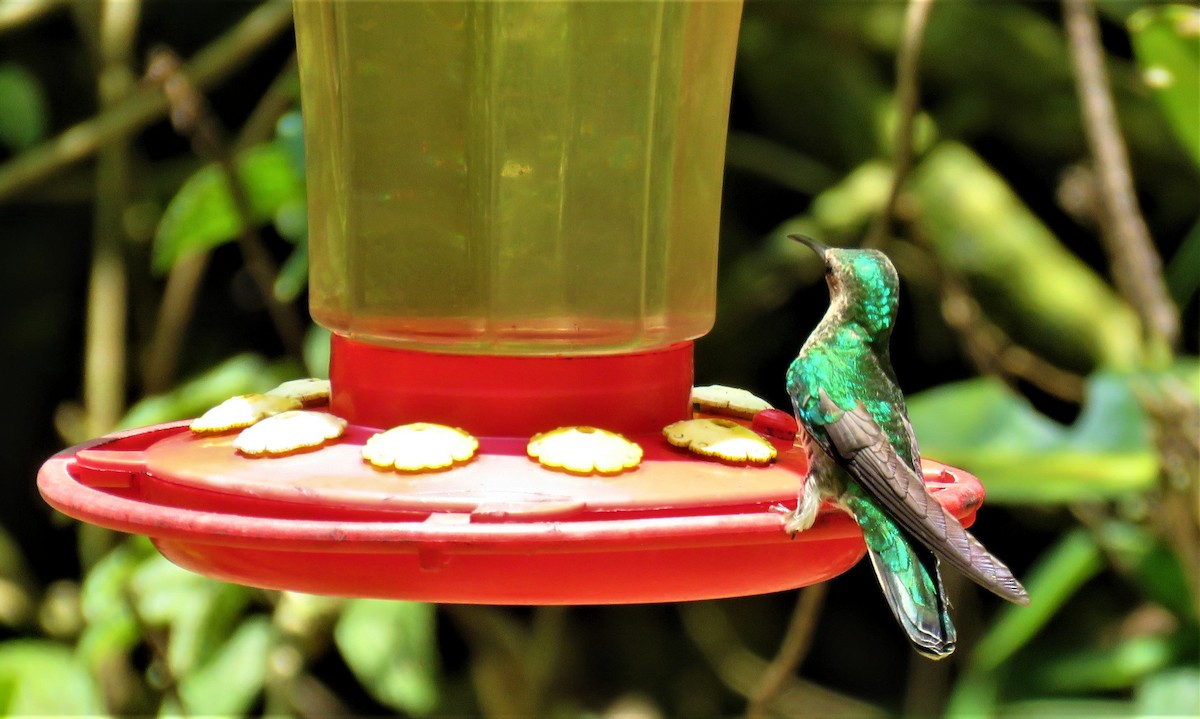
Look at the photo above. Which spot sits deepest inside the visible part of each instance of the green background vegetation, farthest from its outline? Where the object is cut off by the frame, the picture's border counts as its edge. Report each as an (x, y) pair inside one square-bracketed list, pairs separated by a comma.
[(1034, 346)]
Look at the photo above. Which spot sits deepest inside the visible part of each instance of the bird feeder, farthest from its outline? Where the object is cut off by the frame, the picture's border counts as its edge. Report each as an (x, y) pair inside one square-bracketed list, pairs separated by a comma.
[(513, 213)]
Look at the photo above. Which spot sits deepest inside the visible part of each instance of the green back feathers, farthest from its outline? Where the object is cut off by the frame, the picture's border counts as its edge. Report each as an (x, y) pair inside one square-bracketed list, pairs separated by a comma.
[(847, 355)]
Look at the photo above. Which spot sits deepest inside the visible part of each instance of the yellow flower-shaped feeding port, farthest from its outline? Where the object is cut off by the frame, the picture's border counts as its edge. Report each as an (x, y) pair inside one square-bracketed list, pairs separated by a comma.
[(420, 447), (720, 439), (289, 432), (727, 401), (242, 411), (584, 450), (310, 392)]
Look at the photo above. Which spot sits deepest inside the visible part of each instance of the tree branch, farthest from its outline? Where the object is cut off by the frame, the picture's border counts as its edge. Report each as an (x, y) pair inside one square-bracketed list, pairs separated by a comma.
[(104, 377), (907, 94), (191, 117), (214, 63), (795, 646), (1136, 267)]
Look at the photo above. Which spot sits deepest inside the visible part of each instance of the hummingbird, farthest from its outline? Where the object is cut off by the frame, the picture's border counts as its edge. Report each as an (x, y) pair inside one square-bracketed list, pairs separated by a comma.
[(863, 455)]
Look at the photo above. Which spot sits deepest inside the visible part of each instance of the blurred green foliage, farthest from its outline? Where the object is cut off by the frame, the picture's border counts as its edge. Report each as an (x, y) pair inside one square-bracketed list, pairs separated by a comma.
[(1025, 366)]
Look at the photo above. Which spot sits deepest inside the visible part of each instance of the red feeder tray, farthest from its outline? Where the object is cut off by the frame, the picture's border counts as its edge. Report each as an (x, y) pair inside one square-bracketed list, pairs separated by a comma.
[(498, 530)]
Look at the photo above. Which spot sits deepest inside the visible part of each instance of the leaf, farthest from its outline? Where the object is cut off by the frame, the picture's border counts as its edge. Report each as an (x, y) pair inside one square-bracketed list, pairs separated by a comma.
[(1056, 576), (293, 275), (1027, 282), (1053, 579), (1166, 42), (203, 214), (23, 114), (392, 649), (1066, 709), (1182, 278), (45, 678), (289, 132), (199, 612), (1021, 456), (1171, 692), (316, 351), (291, 220), (240, 374), (110, 628), (229, 683), (1112, 668)]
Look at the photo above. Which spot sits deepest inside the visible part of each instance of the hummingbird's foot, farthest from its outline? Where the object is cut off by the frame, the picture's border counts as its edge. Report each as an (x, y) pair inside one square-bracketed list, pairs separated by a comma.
[(803, 516), (796, 520)]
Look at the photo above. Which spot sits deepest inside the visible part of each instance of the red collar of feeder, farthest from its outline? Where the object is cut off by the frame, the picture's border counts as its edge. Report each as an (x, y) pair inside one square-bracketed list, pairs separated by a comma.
[(507, 395)]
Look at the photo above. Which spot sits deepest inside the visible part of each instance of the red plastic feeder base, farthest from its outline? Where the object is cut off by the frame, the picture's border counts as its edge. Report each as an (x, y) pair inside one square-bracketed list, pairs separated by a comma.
[(498, 530)]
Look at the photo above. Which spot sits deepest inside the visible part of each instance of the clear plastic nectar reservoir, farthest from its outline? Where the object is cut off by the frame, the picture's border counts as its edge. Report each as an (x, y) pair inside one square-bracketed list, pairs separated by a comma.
[(515, 177)]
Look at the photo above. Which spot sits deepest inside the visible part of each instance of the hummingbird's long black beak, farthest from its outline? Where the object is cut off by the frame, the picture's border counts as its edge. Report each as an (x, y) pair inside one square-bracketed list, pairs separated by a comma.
[(812, 244)]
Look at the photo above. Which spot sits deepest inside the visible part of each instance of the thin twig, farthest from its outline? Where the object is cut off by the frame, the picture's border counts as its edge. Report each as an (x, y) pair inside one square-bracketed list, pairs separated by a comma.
[(740, 669), (988, 347), (214, 63), (1136, 267), (1137, 272), (191, 116), (795, 646), (174, 313), (279, 98), (184, 279), (907, 94), (995, 353), (311, 699), (104, 363), (544, 655), (158, 644)]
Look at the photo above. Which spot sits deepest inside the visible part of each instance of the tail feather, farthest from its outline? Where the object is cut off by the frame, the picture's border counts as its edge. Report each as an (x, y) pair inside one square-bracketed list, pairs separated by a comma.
[(910, 578)]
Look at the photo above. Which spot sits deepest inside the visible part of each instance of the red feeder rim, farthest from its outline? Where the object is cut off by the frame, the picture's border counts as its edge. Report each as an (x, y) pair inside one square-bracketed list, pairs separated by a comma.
[(498, 530)]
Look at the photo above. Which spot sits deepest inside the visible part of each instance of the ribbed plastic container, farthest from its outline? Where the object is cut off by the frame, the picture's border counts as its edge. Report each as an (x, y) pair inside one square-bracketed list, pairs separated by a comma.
[(515, 177)]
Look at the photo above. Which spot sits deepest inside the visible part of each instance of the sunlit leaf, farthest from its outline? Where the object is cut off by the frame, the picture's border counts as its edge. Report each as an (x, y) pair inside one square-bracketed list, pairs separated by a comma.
[(316, 351), (392, 649), (1172, 692), (846, 207), (23, 115), (1166, 42), (241, 374), (41, 678), (1111, 668), (1021, 456), (199, 612), (229, 683), (1056, 576), (1065, 709), (204, 214), (1052, 580), (1027, 282), (293, 275), (110, 628)]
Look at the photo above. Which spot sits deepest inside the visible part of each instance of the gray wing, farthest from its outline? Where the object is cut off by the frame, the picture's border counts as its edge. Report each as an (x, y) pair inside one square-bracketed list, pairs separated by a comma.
[(865, 452)]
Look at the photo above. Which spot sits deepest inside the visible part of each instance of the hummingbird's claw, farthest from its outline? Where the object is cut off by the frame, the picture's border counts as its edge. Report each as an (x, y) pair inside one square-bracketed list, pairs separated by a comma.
[(794, 520)]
